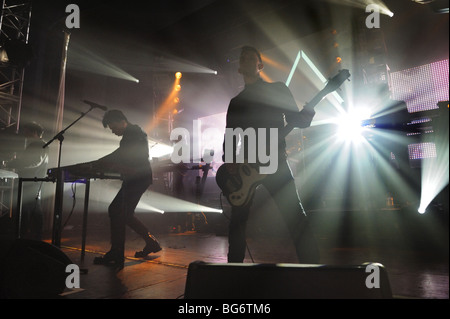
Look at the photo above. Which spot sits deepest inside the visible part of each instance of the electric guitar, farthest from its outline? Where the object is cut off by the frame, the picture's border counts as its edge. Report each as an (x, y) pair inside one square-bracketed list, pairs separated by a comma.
[(238, 181)]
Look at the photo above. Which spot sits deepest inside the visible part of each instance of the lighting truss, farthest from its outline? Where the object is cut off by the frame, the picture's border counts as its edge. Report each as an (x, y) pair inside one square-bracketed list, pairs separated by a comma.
[(14, 26)]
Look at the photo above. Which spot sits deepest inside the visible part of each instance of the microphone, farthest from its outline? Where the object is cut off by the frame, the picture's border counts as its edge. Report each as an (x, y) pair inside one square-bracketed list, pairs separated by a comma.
[(95, 105)]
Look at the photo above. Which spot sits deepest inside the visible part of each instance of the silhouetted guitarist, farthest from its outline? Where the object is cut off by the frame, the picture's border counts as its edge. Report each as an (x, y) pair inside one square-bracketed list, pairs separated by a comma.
[(269, 105)]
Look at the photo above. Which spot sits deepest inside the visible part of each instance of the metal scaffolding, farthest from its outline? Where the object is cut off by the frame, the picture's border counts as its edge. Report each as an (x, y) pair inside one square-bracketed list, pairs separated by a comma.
[(14, 55), (14, 32)]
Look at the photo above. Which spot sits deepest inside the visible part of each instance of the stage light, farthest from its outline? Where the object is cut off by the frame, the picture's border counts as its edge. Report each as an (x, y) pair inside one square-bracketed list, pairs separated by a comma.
[(349, 128), (3, 56), (144, 207), (362, 4), (438, 6), (170, 204), (81, 59), (16, 52), (435, 174), (350, 125), (177, 111), (159, 150), (430, 85), (167, 105)]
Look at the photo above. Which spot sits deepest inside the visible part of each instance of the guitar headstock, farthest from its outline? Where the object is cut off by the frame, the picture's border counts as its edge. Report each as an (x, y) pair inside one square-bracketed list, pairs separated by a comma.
[(336, 81)]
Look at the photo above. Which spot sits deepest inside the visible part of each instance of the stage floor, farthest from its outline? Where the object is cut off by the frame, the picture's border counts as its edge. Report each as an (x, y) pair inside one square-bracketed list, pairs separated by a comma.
[(413, 251), (416, 268)]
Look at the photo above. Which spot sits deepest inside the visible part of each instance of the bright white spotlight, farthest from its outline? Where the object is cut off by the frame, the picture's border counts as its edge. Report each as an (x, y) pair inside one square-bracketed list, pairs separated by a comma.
[(160, 150), (350, 126), (144, 207), (82, 59), (422, 210), (434, 178), (169, 204), (380, 5)]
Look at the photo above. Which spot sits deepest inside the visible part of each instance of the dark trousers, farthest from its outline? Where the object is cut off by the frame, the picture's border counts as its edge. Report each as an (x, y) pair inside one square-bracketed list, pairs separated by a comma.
[(282, 188), (121, 213), (32, 220), (31, 223)]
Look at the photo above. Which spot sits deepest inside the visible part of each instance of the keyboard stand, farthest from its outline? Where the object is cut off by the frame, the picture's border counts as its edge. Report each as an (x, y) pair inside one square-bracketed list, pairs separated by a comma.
[(56, 231)]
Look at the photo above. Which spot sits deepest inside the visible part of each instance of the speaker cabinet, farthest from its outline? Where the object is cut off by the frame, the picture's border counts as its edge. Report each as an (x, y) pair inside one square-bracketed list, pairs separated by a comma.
[(286, 281), (32, 269)]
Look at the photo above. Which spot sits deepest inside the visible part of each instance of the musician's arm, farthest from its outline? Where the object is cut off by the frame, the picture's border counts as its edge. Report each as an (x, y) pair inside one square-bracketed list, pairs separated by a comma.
[(294, 118), (113, 157), (132, 151), (32, 157), (300, 119)]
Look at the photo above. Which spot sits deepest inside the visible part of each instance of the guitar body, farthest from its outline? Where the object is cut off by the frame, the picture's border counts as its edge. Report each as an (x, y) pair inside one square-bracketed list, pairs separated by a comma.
[(238, 182)]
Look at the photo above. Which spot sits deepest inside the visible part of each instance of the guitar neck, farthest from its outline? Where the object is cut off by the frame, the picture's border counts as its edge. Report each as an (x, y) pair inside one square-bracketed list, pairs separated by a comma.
[(316, 100), (332, 85)]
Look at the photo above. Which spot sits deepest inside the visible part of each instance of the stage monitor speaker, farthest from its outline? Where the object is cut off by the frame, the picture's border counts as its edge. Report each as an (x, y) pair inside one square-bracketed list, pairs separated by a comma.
[(283, 281), (31, 269)]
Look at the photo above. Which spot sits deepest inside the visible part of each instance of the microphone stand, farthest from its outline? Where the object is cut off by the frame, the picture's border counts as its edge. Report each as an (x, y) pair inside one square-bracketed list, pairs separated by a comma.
[(57, 217)]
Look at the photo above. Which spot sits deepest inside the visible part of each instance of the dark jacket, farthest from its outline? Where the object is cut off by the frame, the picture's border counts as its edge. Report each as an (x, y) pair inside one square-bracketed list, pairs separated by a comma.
[(267, 105), (33, 161), (131, 159)]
